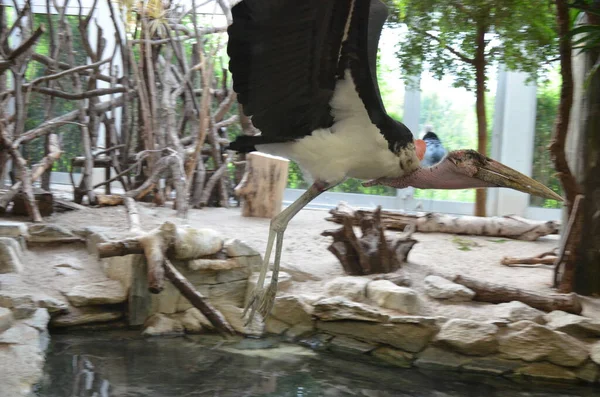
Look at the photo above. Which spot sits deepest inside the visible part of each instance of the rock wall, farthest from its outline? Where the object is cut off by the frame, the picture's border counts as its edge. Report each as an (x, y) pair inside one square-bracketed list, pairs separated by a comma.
[(379, 319), (380, 322)]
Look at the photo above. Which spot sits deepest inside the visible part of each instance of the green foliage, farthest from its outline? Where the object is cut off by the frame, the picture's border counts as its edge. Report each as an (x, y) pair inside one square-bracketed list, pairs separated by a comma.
[(442, 36), (548, 97)]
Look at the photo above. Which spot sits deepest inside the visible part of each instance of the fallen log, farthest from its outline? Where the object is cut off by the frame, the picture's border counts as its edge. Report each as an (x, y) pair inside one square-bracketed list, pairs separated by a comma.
[(498, 293), (191, 294), (372, 252), (506, 226)]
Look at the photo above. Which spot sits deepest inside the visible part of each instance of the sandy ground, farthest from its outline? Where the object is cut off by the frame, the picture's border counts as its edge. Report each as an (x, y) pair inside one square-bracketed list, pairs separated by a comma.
[(305, 253)]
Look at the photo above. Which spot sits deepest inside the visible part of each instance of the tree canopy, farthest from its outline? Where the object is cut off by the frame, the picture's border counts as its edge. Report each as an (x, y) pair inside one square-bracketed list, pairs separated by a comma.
[(442, 36)]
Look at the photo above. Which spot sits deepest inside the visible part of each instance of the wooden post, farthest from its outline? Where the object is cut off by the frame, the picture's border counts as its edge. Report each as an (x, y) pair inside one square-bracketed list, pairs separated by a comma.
[(262, 185)]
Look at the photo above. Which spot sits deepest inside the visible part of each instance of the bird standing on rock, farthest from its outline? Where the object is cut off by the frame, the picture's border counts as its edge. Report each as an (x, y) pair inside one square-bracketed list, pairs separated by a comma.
[(305, 71)]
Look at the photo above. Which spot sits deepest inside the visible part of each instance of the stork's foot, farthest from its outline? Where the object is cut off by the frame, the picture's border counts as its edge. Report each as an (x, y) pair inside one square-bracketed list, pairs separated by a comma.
[(261, 300)]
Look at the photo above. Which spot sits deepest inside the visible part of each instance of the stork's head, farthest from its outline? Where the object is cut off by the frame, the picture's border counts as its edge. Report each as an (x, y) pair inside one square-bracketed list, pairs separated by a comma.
[(464, 169)]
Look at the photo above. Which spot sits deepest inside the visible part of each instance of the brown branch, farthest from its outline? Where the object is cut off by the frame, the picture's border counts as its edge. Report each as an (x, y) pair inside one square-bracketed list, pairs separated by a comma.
[(48, 126), (498, 293), (20, 50), (24, 175), (81, 95), (133, 215), (455, 52), (532, 260), (52, 64), (196, 299), (561, 126), (225, 106), (571, 239)]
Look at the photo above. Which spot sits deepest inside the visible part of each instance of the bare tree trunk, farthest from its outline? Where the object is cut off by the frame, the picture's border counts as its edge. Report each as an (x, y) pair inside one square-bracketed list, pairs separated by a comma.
[(480, 67), (587, 268), (561, 126)]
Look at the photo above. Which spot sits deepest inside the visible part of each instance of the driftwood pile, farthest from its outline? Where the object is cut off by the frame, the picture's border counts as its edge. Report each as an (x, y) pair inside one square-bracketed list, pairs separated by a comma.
[(372, 252), (153, 110)]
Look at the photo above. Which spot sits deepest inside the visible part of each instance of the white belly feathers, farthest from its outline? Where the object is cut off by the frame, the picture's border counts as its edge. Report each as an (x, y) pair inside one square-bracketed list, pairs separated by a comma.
[(352, 148)]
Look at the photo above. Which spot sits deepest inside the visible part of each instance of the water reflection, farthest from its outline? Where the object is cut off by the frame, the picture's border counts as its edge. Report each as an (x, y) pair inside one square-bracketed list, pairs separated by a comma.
[(126, 365)]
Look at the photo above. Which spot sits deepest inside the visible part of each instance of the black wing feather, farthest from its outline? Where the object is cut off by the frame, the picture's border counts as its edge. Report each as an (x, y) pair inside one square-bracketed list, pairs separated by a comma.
[(283, 58), (366, 26), (285, 61)]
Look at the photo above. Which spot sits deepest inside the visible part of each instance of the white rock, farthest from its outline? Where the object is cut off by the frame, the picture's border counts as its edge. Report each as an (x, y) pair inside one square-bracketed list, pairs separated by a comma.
[(193, 243), (6, 319), (595, 353), (469, 337), (21, 367), (351, 287), (517, 311), (233, 315), (12, 229), (235, 247), (572, 324), (39, 320), (194, 321), (529, 341), (52, 304), (103, 292), (406, 336), (10, 256), (85, 315), (339, 308), (215, 264), (160, 324), (20, 334), (45, 232), (22, 305), (441, 288), (292, 309), (274, 326), (389, 295)]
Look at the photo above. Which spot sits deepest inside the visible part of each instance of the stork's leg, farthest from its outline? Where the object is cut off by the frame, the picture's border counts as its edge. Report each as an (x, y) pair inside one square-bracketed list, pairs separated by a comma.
[(261, 299)]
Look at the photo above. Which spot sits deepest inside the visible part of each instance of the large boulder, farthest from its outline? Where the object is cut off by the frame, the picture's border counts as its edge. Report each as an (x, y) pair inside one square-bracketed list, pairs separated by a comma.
[(339, 308), (10, 256), (6, 319), (411, 337), (517, 311), (389, 295), (292, 310), (49, 233), (529, 341), (191, 243), (13, 229), (468, 337), (162, 325), (353, 288), (100, 293), (441, 288), (595, 353), (572, 324), (86, 315)]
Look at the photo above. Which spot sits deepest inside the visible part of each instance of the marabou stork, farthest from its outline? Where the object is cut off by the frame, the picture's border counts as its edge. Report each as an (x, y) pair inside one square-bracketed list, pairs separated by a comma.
[(305, 71)]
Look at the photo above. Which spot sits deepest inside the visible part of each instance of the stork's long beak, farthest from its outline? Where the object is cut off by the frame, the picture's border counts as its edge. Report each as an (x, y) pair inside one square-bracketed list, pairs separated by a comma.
[(464, 169)]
